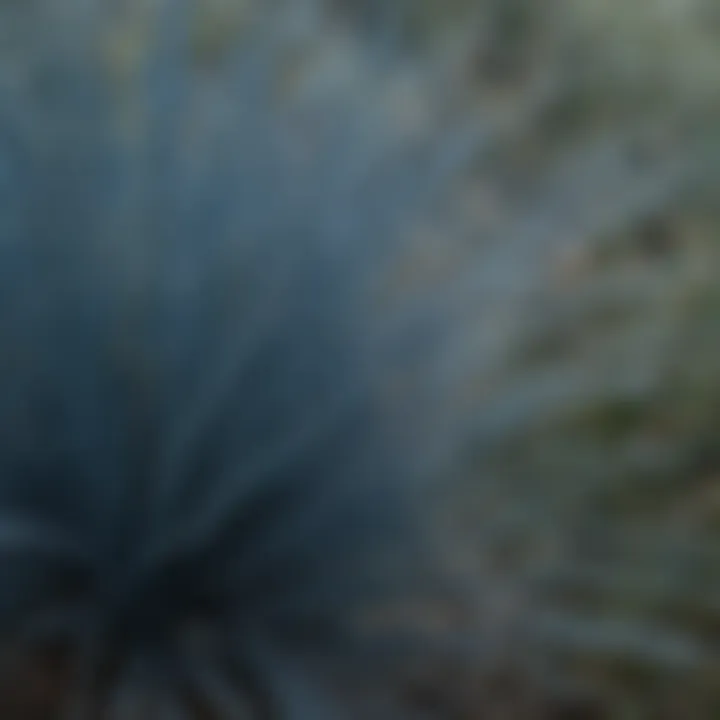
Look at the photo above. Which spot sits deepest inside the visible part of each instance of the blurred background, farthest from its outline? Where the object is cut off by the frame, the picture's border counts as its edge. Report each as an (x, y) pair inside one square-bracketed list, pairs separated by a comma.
[(582, 376), (578, 368), (551, 323)]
